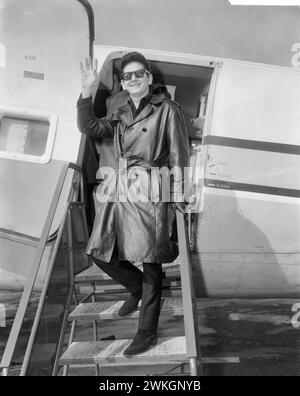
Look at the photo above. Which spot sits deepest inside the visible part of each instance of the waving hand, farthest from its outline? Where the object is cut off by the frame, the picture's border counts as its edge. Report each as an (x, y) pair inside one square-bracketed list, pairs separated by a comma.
[(88, 76)]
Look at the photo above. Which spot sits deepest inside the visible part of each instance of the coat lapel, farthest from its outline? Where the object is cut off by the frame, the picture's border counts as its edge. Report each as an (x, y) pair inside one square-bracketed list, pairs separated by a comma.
[(125, 115), (147, 110)]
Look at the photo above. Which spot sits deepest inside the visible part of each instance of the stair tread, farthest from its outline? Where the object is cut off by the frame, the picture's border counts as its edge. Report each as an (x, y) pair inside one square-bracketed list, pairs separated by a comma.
[(106, 353), (109, 310), (91, 273), (94, 273)]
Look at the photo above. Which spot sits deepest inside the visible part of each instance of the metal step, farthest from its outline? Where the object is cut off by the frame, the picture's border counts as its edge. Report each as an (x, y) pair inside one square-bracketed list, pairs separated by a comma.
[(110, 353), (106, 310), (92, 274)]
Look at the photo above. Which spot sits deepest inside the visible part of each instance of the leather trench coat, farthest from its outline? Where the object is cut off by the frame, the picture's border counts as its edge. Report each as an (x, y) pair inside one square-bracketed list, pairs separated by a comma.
[(156, 137)]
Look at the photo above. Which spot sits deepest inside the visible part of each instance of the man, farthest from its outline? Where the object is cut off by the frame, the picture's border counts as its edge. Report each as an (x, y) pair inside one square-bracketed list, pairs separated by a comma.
[(148, 132)]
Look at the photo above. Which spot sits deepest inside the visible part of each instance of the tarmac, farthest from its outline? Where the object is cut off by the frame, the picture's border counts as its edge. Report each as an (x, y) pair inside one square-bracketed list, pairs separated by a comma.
[(238, 337)]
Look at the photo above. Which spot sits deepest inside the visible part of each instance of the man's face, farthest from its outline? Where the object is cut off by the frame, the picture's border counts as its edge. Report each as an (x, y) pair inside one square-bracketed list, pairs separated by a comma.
[(136, 85)]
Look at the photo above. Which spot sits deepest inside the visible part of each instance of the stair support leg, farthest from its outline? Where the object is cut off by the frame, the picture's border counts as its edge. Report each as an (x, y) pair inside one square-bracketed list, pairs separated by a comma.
[(95, 327), (71, 338)]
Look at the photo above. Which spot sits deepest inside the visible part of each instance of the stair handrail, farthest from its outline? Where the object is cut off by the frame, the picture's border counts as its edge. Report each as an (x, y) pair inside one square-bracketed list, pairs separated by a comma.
[(23, 305), (191, 327)]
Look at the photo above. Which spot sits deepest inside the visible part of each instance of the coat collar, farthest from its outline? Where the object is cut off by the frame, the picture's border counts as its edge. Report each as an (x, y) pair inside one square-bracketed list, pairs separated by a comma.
[(156, 99), (124, 112)]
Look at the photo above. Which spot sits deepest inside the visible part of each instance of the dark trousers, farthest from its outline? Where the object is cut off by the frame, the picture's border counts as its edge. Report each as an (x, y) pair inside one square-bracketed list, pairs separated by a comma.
[(146, 283)]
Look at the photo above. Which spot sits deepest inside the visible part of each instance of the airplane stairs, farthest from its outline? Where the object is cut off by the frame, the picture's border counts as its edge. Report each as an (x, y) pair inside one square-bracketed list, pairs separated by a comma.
[(109, 352)]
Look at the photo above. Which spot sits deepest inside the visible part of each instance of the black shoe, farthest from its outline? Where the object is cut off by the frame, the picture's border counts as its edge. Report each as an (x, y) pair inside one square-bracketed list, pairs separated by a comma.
[(130, 305), (143, 340)]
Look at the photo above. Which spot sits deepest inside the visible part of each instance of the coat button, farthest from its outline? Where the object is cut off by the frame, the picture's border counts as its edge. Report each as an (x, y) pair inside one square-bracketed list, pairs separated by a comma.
[(144, 129)]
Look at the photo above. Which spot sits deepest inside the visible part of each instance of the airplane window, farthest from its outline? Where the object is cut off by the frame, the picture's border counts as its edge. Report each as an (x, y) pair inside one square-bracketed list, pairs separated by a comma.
[(23, 136)]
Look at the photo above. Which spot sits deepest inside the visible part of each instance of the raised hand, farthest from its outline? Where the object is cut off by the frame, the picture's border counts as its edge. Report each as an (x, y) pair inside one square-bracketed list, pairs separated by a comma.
[(88, 76)]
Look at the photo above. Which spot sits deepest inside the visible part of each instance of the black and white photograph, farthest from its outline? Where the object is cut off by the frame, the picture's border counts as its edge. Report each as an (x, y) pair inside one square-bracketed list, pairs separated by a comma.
[(149, 191)]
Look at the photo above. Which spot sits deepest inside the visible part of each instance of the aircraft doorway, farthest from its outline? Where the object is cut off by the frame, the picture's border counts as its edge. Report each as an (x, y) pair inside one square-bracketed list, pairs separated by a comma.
[(188, 85)]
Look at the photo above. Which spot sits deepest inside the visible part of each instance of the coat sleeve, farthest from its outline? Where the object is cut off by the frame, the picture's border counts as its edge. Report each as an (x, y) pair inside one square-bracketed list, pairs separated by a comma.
[(179, 154), (89, 124)]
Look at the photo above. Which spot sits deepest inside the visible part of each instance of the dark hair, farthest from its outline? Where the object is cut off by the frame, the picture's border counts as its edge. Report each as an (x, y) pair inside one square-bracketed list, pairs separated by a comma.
[(134, 57)]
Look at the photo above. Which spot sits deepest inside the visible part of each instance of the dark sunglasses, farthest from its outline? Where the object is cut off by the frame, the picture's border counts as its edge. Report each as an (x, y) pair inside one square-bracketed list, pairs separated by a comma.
[(138, 74)]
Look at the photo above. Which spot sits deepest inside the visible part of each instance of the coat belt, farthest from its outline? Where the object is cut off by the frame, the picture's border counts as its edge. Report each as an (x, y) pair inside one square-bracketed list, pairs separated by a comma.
[(126, 163)]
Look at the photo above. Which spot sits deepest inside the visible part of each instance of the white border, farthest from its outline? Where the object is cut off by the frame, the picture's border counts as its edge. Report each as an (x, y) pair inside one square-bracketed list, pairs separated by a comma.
[(6, 111), (285, 3)]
